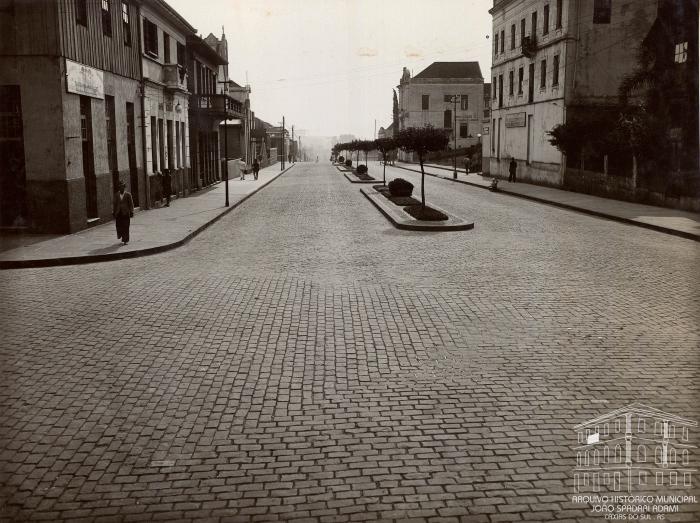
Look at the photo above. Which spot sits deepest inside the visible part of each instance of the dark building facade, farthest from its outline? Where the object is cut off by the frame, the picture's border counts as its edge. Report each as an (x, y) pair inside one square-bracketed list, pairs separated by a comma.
[(69, 112)]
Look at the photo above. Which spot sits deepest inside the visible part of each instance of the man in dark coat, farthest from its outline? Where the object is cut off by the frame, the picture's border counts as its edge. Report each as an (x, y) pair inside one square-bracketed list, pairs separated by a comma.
[(123, 212), (513, 167)]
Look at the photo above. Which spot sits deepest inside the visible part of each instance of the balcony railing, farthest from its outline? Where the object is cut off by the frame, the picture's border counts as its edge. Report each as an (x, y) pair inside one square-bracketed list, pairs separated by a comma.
[(174, 77), (217, 105), (529, 45)]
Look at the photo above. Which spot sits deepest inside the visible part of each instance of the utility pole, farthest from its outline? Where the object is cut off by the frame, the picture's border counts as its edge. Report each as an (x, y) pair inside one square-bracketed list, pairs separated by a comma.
[(283, 151), (293, 151), (454, 130), (226, 158)]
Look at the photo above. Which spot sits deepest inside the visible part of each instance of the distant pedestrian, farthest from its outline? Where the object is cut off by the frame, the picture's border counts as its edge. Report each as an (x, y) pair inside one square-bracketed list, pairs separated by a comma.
[(316, 159), (167, 186), (123, 211), (256, 168), (512, 168)]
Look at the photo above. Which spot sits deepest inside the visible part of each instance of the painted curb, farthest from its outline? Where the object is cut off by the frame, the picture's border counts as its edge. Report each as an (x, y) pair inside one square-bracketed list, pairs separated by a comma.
[(567, 206), (402, 220), (97, 258)]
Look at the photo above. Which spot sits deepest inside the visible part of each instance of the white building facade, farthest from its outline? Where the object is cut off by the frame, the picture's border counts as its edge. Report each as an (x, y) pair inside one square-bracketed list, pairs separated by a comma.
[(439, 95), (527, 87)]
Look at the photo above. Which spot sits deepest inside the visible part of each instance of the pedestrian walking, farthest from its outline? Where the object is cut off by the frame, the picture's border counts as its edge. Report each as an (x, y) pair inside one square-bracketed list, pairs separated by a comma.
[(512, 168), (256, 168), (123, 211)]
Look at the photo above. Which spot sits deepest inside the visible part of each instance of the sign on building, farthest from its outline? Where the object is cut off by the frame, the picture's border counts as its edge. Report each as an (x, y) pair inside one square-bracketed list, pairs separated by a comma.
[(84, 80), (515, 120)]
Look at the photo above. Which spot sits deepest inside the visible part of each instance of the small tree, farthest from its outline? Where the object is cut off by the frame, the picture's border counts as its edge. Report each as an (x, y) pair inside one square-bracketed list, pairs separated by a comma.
[(366, 146), (422, 140), (384, 145)]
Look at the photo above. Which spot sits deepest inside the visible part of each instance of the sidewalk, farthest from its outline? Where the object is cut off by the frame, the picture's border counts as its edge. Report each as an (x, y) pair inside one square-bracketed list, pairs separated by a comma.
[(152, 231), (670, 221)]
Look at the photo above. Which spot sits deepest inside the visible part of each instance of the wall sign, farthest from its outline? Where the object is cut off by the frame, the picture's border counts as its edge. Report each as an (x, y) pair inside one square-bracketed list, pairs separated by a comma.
[(81, 79), (515, 120)]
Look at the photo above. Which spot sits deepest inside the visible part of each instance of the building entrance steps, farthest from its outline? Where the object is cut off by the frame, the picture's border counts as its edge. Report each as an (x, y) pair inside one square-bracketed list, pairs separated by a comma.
[(152, 231), (670, 221)]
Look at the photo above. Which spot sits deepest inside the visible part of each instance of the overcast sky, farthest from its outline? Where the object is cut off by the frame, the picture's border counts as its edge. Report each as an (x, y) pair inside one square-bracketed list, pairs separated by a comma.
[(329, 65)]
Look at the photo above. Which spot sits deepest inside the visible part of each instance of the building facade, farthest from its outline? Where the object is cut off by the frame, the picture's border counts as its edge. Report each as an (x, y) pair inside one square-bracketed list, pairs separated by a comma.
[(445, 95), (552, 59), (634, 448), (164, 36), (70, 106)]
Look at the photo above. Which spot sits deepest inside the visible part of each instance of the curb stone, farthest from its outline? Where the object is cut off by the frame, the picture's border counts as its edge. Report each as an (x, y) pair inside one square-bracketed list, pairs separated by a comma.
[(97, 258)]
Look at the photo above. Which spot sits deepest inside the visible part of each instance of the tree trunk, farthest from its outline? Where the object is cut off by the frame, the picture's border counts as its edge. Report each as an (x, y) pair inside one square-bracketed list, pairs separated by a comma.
[(384, 156), (422, 181)]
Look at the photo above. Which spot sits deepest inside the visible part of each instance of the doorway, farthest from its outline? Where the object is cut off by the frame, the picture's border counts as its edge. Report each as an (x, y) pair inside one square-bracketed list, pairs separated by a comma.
[(131, 150), (88, 158), (13, 181)]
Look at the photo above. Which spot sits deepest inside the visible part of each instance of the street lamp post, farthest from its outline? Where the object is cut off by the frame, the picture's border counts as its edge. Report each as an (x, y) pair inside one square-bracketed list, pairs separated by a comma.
[(283, 151), (226, 158)]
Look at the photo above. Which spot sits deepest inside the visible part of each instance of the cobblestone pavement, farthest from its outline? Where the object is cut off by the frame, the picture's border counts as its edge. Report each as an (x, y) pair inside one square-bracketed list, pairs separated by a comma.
[(303, 360)]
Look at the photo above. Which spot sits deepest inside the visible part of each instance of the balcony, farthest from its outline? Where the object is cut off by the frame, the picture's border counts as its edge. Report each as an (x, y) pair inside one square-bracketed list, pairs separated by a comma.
[(174, 77), (217, 106), (529, 45)]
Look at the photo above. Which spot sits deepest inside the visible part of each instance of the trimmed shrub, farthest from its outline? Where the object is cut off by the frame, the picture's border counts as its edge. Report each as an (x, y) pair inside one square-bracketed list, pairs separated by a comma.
[(348, 163), (400, 187), (361, 169), (341, 159)]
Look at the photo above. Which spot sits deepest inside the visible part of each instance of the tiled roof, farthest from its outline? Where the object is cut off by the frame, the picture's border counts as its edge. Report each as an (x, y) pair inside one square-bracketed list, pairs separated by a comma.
[(451, 70)]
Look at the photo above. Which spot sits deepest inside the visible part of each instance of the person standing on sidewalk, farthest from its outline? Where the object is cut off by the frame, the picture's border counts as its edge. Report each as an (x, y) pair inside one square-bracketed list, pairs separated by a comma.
[(167, 186), (123, 211), (512, 168), (256, 168)]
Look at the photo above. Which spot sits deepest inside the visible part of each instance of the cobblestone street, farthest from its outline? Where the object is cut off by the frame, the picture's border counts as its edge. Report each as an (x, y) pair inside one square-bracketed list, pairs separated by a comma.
[(303, 360)]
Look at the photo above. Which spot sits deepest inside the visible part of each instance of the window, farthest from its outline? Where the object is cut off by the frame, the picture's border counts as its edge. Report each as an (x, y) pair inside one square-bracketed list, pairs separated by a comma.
[(681, 54), (126, 26), (580, 437), (520, 90), (686, 457), (686, 479), (425, 101), (659, 478), (555, 82), (545, 20), (601, 11), (596, 457), (510, 83), (447, 98), (503, 41), (464, 130), (641, 453), (180, 55), (559, 14), (685, 433), (606, 479), (534, 24), (495, 86), (606, 429), (512, 36), (522, 30), (81, 12), (150, 37), (106, 18), (606, 454), (495, 45), (641, 424), (531, 83), (166, 48), (447, 120), (617, 426), (642, 477), (500, 90), (672, 456), (543, 74), (464, 102), (657, 455), (618, 454), (673, 478)]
